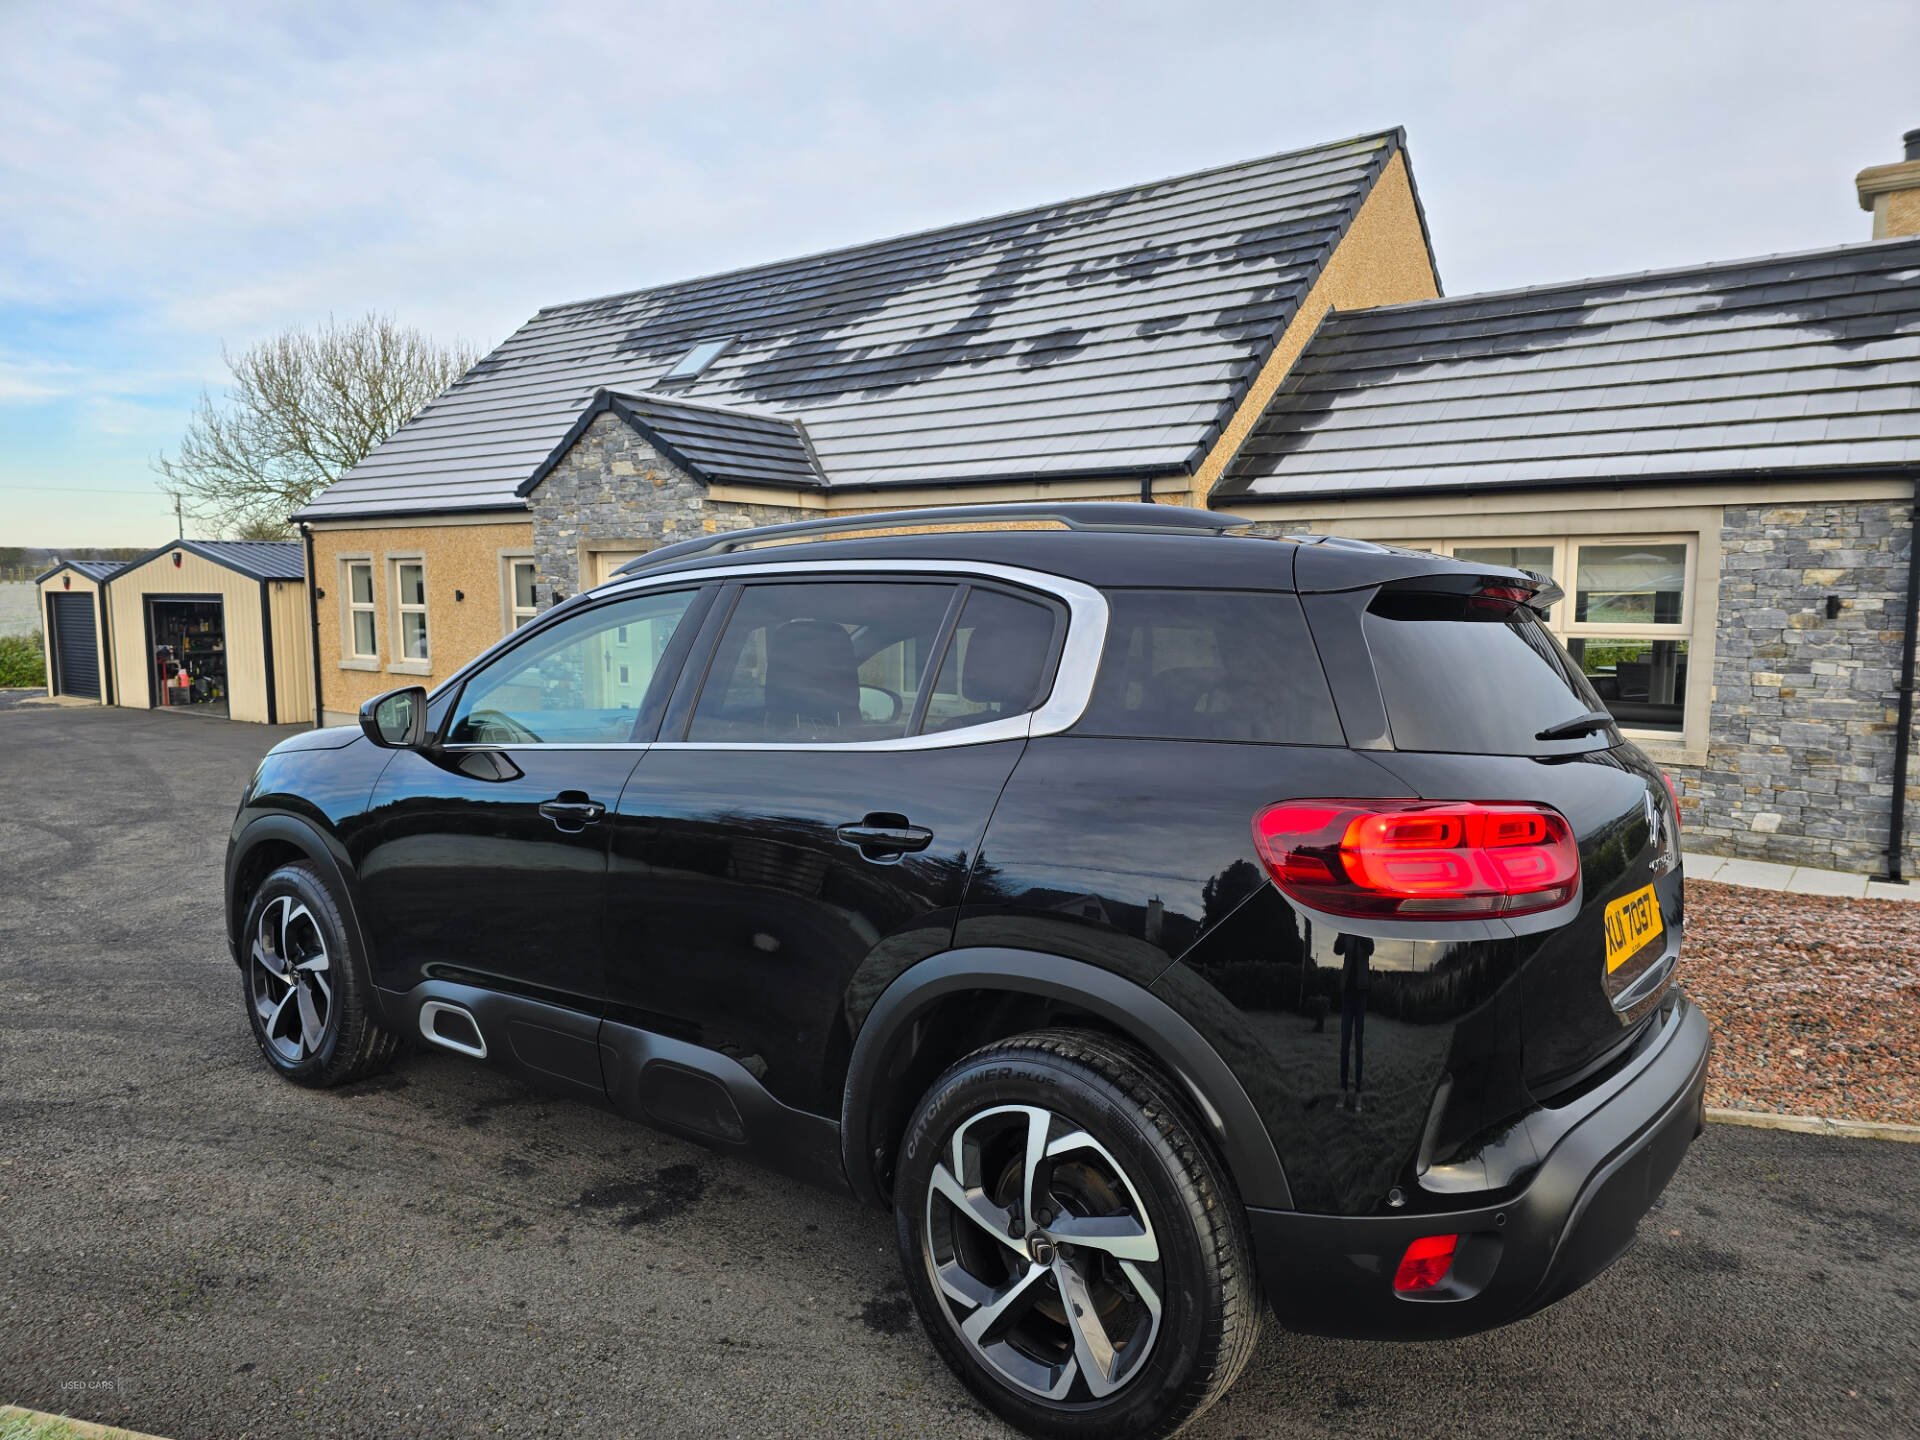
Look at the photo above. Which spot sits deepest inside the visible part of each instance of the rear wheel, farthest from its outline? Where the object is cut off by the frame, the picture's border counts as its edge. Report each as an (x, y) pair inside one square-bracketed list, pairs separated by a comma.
[(305, 995), (1075, 1253)]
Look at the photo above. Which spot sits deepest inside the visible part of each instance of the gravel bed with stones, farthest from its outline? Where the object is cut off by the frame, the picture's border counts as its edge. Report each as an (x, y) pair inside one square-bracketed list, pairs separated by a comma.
[(1814, 1001)]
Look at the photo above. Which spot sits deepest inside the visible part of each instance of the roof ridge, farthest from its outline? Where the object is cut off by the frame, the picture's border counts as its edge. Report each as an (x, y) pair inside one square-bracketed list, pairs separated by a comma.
[(1442, 301), (1397, 135)]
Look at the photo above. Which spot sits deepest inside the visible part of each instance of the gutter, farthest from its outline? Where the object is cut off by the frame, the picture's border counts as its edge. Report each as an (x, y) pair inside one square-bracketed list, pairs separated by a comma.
[(313, 625), (1903, 733)]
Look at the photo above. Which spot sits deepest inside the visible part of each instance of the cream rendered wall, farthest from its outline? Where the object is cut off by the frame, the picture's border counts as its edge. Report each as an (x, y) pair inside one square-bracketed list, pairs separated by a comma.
[(463, 558)]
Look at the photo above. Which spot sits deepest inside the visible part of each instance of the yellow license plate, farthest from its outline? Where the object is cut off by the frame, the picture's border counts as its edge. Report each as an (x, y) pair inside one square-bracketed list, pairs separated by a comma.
[(1632, 921)]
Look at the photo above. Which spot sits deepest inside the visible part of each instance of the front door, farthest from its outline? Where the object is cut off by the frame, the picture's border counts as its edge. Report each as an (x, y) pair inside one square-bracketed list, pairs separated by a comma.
[(809, 823), (485, 859)]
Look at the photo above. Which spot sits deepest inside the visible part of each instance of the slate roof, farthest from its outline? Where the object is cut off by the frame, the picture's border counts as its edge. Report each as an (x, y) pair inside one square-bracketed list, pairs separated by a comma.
[(711, 443), (1785, 363), (1107, 335), (258, 559)]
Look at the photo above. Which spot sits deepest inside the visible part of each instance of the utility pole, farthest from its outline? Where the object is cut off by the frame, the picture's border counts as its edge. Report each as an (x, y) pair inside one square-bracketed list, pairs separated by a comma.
[(179, 518)]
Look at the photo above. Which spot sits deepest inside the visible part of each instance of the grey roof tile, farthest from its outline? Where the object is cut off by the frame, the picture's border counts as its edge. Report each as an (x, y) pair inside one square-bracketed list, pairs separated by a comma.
[(1785, 362), (1112, 333)]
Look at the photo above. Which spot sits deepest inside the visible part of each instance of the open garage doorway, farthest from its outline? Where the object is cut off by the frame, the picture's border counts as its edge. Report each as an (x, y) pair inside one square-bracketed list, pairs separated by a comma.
[(187, 653)]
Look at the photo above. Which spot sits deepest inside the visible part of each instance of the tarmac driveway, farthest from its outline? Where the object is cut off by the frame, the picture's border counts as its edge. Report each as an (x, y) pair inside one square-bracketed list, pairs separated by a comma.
[(190, 1246)]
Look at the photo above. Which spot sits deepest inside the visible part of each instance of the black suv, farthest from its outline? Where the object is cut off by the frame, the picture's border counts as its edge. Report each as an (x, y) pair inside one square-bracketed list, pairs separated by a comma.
[(1157, 919)]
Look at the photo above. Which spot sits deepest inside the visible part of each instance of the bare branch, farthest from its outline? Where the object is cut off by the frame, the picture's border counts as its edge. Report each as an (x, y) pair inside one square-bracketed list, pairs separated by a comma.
[(303, 408)]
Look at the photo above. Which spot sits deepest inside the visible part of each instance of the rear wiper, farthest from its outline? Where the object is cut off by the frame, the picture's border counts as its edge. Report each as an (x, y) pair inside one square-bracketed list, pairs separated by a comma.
[(1579, 725)]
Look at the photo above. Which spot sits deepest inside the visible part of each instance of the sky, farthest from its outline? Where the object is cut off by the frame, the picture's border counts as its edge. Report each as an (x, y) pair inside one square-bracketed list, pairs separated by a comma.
[(178, 178)]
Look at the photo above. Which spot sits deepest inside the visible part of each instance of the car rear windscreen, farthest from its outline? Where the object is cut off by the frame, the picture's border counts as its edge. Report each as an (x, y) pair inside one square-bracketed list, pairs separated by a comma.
[(1464, 674), (1210, 665)]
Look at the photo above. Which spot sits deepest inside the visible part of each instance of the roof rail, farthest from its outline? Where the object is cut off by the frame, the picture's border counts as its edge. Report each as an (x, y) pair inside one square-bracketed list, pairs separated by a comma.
[(1101, 515)]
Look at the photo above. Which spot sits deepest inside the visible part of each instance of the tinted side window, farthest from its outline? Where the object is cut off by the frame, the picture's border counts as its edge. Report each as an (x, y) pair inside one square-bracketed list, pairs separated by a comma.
[(1464, 676), (995, 664), (1210, 665), (581, 682), (830, 662)]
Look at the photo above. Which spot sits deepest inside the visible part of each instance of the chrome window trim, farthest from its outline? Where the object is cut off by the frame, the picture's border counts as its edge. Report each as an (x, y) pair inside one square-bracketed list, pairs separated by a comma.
[(1065, 703)]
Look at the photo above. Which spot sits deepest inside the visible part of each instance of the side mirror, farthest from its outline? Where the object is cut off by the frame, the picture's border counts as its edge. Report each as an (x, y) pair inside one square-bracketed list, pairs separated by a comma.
[(396, 720)]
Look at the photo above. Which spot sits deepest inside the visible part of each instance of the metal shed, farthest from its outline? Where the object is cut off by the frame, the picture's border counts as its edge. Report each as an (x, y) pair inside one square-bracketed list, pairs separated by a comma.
[(215, 626), (73, 628)]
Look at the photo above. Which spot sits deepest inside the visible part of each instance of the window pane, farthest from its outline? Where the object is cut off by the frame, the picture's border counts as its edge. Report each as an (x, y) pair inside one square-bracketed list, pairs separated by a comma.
[(360, 582), (1631, 584), (1514, 557), (1210, 665), (413, 585), (563, 687), (1643, 682), (523, 585), (820, 663), (413, 634), (363, 632), (994, 663), (1463, 679)]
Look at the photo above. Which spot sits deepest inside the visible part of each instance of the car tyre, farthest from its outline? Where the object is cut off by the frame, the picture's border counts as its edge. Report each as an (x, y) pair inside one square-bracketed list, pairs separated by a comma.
[(1076, 1253), (306, 993)]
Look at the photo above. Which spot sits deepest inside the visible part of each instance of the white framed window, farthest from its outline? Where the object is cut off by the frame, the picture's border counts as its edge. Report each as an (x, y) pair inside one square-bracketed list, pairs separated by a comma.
[(407, 582), (1628, 620), (359, 629), (518, 605)]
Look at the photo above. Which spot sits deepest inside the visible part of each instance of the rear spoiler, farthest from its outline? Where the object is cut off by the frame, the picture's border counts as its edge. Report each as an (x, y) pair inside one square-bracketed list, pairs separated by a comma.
[(1329, 563)]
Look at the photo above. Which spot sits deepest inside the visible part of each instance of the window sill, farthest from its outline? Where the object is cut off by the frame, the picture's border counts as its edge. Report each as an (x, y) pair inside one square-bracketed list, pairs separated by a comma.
[(1667, 749), (410, 667), (350, 663)]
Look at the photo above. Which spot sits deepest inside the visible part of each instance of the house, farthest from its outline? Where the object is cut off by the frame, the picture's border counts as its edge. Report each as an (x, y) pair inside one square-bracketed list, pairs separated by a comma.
[(1110, 347), (1717, 462)]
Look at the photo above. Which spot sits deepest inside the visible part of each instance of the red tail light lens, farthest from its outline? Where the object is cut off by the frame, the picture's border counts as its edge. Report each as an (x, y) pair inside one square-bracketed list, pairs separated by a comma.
[(1673, 795), (1420, 858), (1426, 1262)]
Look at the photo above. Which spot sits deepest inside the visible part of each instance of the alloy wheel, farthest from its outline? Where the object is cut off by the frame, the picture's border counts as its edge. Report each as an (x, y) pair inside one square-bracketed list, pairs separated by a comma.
[(289, 979), (1043, 1254)]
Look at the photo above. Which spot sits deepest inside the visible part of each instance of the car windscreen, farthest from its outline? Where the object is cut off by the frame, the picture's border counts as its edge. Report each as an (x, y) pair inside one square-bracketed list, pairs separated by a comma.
[(1210, 665), (1469, 674)]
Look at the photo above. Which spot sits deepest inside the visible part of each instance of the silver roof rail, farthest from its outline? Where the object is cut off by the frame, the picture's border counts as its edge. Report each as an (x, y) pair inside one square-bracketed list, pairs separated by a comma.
[(1128, 517)]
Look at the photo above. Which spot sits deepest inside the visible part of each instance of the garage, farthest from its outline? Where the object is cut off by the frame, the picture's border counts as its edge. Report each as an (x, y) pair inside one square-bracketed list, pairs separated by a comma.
[(73, 629), (214, 627)]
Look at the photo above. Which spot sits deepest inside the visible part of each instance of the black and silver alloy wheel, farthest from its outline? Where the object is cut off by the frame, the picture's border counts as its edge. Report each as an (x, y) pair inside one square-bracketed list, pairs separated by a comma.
[(288, 979), (1076, 1253), (308, 998), (1044, 1254)]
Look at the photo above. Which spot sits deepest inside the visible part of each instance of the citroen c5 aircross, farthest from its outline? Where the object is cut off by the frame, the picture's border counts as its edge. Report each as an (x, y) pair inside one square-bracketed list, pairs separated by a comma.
[(1169, 925)]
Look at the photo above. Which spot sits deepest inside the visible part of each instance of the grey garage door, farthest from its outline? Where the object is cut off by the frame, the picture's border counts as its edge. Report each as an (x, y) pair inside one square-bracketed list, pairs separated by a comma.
[(76, 658)]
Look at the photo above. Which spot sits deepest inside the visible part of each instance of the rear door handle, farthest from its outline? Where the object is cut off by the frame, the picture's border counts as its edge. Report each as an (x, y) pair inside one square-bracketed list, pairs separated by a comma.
[(882, 836), (571, 811)]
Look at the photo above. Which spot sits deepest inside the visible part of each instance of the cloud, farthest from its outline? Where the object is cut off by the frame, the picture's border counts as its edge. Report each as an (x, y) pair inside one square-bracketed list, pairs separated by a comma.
[(177, 176)]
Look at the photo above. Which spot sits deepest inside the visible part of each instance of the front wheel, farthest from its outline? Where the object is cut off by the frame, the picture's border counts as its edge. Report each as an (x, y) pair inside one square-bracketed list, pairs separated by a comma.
[(1075, 1253), (305, 995)]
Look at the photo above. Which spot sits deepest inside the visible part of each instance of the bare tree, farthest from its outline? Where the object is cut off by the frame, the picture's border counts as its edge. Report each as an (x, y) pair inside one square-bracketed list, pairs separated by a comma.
[(304, 408)]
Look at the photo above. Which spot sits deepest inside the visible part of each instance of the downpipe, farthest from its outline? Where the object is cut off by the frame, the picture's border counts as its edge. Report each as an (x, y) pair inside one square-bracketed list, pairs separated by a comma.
[(1903, 732)]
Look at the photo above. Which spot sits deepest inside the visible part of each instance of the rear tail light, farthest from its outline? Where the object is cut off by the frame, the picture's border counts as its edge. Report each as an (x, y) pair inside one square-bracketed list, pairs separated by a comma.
[(1445, 859), (1673, 794), (1426, 1262)]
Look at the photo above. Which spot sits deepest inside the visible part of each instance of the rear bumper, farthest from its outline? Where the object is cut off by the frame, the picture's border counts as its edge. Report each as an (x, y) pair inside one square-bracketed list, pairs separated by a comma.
[(1333, 1274)]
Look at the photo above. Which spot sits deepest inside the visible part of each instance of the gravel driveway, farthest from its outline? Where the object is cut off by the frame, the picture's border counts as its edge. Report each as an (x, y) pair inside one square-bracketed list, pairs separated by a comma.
[(192, 1247)]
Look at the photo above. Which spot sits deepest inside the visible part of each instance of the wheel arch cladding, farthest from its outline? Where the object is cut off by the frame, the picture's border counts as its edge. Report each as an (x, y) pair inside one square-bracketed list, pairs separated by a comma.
[(873, 1113), (263, 847)]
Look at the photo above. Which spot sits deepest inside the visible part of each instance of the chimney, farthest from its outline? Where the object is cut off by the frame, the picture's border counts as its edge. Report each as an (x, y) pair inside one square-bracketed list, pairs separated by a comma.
[(1892, 192)]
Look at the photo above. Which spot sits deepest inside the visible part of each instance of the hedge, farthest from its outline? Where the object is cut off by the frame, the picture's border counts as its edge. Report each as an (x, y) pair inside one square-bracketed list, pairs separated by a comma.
[(21, 662)]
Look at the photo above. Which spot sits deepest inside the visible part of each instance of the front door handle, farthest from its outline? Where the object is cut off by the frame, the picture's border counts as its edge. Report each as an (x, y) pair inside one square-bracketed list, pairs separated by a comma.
[(882, 836), (571, 811)]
